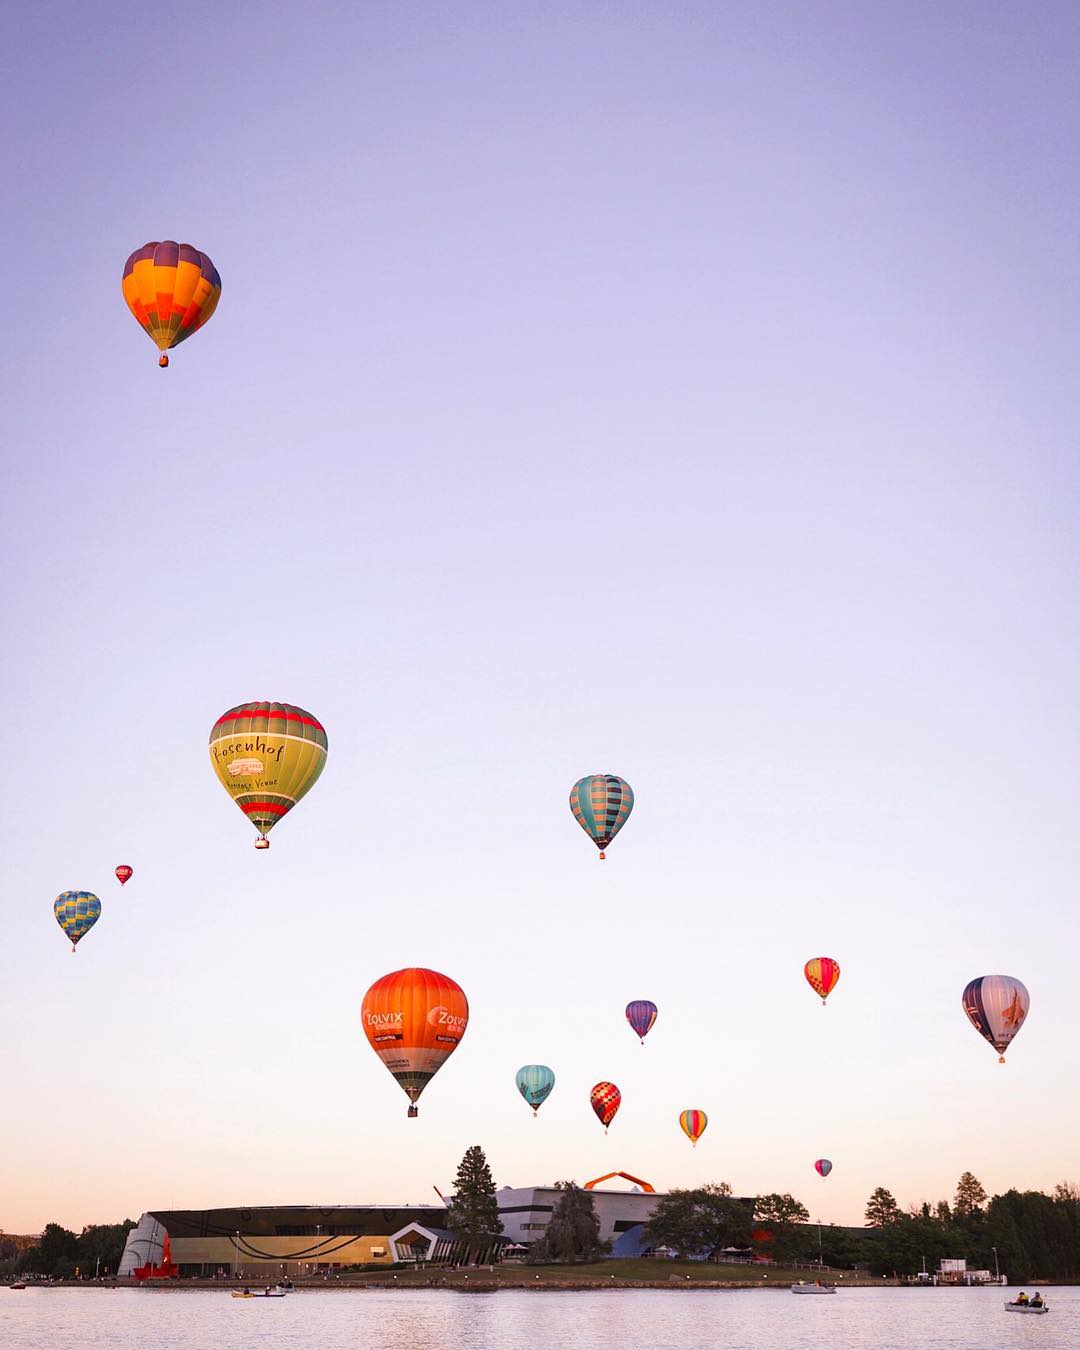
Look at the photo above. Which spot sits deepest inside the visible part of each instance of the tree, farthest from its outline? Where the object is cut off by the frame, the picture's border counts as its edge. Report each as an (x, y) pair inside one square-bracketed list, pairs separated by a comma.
[(56, 1252), (882, 1209), (573, 1233), (969, 1194), (699, 1221), (473, 1213), (101, 1246), (781, 1215)]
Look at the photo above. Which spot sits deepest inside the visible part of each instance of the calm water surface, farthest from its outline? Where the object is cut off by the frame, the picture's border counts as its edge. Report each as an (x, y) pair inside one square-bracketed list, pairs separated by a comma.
[(136, 1319)]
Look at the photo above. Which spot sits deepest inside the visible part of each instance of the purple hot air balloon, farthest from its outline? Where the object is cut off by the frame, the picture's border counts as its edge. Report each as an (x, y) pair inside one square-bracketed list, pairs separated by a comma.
[(641, 1014)]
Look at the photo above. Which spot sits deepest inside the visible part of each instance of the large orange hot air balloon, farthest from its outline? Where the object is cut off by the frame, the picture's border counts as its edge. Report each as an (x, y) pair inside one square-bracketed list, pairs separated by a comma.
[(414, 1020), (605, 1099), (172, 289), (821, 974)]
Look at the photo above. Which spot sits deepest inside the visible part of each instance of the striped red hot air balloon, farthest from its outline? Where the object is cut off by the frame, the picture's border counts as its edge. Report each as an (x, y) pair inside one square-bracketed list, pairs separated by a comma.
[(605, 1099), (693, 1125), (822, 973), (124, 873), (414, 1020), (823, 1167)]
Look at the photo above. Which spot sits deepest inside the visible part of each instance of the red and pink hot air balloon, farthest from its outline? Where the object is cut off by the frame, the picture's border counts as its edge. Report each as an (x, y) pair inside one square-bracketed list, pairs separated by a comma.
[(124, 873), (822, 973)]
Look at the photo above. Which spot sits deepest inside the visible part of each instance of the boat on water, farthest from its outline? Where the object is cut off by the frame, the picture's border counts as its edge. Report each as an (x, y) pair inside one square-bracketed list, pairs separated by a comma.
[(803, 1288), (242, 1293), (1027, 1307), (17, 1285), (261, 1293)]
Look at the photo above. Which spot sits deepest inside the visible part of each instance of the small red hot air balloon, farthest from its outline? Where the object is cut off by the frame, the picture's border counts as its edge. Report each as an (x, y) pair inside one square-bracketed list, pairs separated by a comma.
[(124, 873), (605, 1099), (822, 973)]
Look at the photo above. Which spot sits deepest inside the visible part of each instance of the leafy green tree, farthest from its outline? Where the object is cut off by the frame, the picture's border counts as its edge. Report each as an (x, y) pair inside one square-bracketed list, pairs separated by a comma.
[(969, 1194), (882, 1209), (573, 1233), (101, 1246), (782, 1215), (694, 1221), (473, 1213), (55, 1254)]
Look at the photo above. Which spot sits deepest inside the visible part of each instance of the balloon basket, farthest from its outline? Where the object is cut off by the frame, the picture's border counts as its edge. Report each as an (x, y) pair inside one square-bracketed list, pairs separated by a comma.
[(414, 1111), (1001, 1058), (603, 855), (163, 361)]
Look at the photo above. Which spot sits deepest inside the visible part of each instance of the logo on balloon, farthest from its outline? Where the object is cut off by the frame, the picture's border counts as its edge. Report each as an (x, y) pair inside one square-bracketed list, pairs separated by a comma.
[(244, 768), (442, 1017)]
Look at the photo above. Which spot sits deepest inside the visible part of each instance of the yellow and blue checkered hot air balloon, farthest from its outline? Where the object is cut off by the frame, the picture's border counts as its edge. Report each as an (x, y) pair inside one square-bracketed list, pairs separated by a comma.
[(76, 913), (172, 289), (601, 804)]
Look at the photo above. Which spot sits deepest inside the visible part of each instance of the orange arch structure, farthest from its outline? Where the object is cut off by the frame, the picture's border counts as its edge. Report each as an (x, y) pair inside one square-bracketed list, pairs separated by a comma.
[(637, 1181)]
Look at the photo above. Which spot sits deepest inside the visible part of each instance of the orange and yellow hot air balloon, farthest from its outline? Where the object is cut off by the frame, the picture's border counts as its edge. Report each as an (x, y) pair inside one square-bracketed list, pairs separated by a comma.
[(266, 757), (693, 1125), (822, 973), (172, 289), (414, 1020)]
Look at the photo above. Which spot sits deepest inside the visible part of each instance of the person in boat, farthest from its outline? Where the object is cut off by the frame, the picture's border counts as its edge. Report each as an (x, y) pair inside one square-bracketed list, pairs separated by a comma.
[(1037, 1301), (1022, 1297)]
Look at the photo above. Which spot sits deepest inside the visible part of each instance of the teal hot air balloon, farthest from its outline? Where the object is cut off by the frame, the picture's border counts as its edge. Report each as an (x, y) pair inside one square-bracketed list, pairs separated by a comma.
[(76, 913), (601, 804), (534, 1082)]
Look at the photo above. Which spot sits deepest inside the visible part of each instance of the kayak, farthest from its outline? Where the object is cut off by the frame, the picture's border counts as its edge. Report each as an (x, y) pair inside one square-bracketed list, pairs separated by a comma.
[(813, 1289), (1026, 1308)]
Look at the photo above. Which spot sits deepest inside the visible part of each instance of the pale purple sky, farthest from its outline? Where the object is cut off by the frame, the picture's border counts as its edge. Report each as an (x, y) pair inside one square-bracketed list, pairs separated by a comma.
[(680, 391)]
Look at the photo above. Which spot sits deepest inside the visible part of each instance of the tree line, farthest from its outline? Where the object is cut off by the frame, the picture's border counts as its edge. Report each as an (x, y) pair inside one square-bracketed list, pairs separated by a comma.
[(63, 1254), (1024, 1234)]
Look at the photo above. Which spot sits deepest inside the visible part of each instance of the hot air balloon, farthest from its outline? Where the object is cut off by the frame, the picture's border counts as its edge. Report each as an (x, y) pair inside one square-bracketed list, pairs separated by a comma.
[(823, 1167), (172, 289), (76, 913), (534, 1082), (641, 1014), (124, 873), (605, 1099), (601, 804), (267, 756), (996, 1006), (693, 1125), (822, 974), (414, 1020)]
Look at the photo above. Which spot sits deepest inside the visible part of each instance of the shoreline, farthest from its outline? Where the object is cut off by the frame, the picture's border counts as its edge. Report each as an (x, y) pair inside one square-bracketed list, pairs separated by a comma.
[(473, 1284)]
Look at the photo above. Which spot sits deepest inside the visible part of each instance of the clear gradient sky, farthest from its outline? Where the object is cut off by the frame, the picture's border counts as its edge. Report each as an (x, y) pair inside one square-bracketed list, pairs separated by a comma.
[(684, 391)]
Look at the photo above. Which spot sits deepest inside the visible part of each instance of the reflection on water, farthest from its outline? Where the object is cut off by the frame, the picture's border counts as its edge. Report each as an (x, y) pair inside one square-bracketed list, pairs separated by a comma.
[(863, 1319)]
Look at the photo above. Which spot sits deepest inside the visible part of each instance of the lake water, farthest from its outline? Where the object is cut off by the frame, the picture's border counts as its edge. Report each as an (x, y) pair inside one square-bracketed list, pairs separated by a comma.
[(866, 1319)]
